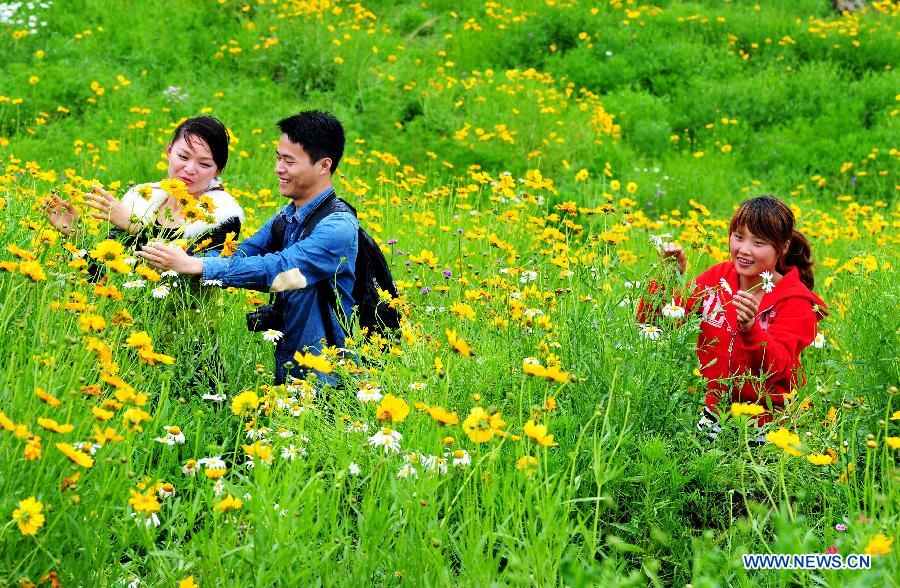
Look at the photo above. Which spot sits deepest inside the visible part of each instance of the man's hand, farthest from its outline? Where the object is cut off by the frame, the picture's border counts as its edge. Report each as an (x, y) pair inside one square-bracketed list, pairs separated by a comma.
[(747, 308), (170, 257)]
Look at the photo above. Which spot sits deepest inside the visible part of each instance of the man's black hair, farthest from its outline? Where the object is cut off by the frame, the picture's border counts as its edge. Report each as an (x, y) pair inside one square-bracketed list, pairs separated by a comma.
[(319, 133), (211, 131)]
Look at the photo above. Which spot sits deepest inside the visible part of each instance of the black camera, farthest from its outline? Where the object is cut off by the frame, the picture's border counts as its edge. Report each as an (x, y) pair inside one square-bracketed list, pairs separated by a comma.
[(265, 318)]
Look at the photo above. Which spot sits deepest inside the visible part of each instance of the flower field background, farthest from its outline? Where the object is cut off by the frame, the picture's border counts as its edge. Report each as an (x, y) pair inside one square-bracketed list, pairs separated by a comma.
[(516, 160)]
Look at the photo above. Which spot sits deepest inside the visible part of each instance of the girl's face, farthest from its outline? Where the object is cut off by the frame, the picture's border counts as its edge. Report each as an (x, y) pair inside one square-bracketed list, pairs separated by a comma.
[(751, 254), (192, 163)]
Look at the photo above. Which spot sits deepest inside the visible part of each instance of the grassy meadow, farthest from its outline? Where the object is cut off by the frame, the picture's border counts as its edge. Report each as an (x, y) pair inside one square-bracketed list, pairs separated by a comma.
[(515, 159)]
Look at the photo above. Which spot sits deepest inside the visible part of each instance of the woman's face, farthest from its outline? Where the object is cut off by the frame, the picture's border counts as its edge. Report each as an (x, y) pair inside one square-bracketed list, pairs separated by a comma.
[(192, 163), (751, 253)]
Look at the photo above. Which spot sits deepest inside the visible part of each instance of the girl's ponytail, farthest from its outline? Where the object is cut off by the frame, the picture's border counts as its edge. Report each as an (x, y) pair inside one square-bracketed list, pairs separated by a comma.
[(799, 255)]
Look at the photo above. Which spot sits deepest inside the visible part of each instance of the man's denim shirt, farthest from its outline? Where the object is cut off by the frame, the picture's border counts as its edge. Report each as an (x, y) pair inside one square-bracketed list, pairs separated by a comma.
[(327, 254)]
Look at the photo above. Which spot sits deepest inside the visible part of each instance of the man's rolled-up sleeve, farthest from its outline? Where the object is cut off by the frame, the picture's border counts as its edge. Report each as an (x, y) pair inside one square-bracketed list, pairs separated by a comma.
[(303, 264)]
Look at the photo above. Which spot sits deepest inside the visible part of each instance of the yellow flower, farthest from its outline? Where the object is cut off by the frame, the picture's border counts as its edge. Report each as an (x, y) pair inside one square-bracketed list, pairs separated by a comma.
[(879, 545), (28, 516), (91, 322), (527, 463), (538, 433), (555, 374), (738, 409), (214, 473), (108, 250), (104, 437), (139, 340), (789, 442), (896, 416), (893, 443), (318, 363), (260, 451), (481, 426), (442, 416), (819, 459), (147, 503), (462, 310), (32, 449), (459, 344), (33, 270), (47, 397), (52, 425), (80, 458), (101, 414), (245, 402), (228, 503), (391, 409), (188, 583), (134, 417)]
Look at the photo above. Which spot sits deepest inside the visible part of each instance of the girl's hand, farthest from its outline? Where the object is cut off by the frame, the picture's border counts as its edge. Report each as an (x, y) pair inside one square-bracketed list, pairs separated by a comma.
[(61, 214), (110, 208), (747, 308), (675, 252)]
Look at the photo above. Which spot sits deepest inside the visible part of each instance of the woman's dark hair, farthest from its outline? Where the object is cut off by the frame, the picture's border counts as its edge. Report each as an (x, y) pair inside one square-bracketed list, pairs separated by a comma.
[(770, 218), (319, 133), (209, 130)]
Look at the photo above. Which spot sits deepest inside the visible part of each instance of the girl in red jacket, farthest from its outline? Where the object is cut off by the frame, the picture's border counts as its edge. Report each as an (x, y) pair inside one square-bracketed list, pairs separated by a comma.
[(758, 311)]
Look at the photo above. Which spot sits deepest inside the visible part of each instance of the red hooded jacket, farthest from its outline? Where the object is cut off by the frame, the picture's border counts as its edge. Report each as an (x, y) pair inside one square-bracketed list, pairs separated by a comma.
[(785, 325)]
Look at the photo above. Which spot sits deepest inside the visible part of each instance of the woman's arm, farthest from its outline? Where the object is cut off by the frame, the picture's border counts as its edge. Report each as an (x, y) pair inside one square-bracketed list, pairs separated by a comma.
[(777, 350)]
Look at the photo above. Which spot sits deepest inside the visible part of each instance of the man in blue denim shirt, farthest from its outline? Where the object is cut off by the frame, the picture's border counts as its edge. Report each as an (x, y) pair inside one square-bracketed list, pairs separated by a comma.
[(311, 146)]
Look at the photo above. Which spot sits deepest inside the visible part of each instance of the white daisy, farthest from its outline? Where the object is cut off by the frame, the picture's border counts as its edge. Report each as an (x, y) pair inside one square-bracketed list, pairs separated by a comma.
[(191, 467), (724, 284), (290, 452), (214, 397), (387, 439), (819, 341), (134, 284), (460, 458), (358, 427), (672, 310), (407, 471), (767, 284), (212, 463), (169, 274), (369, 394), (160, 291), (650, 332), (353, 469), (272, 335)]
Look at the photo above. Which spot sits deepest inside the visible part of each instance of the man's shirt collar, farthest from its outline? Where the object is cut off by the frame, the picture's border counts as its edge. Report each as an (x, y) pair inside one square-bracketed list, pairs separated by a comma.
[(293, 214)]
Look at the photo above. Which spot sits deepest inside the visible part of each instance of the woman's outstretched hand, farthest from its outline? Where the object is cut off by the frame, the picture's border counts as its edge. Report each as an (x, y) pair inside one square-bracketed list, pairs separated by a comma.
[(61, 214), (676, 253), (110, 208)]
